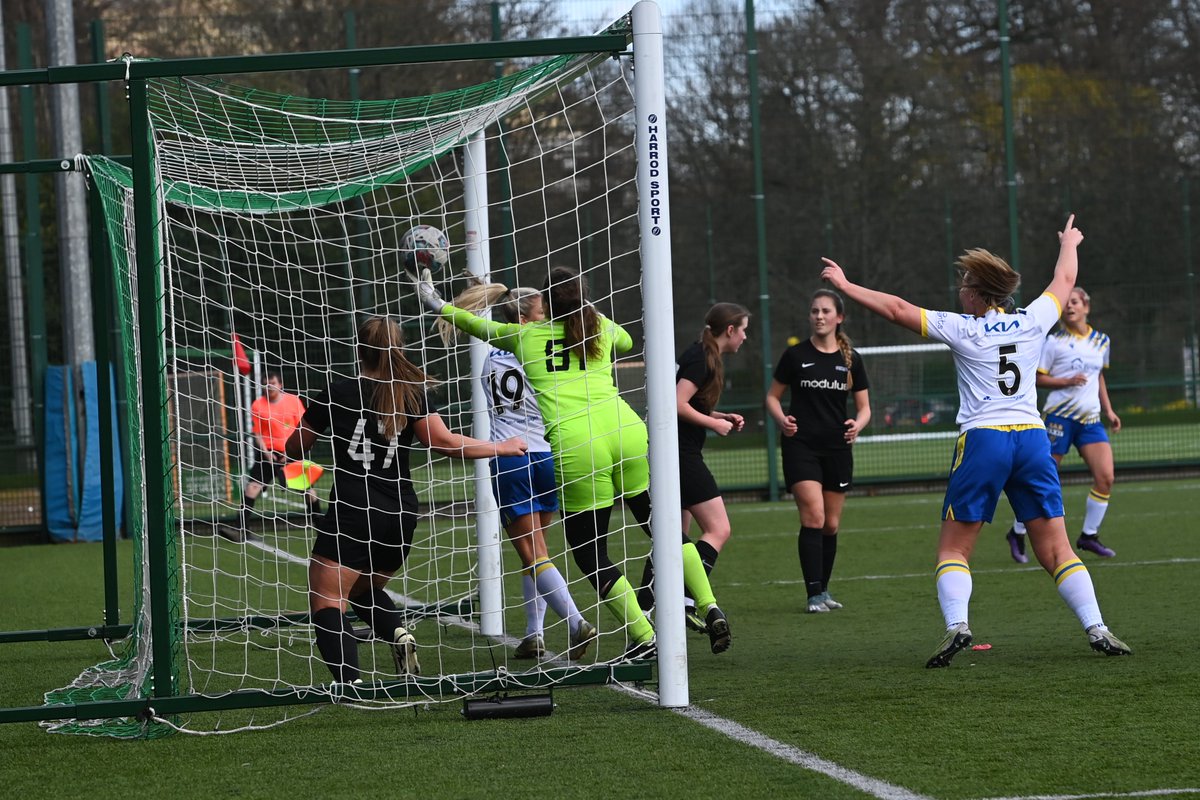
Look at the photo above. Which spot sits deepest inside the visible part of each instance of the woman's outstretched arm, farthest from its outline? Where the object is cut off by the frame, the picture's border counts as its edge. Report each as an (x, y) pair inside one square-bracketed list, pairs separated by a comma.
[(889, 306), (1066, 269)]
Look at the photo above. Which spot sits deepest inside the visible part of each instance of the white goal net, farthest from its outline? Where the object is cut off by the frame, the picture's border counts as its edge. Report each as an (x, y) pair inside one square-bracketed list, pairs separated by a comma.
[(281, 219)]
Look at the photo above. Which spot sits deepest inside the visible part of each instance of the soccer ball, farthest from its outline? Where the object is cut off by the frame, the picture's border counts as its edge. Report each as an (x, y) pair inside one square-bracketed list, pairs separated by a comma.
[(425, 247)]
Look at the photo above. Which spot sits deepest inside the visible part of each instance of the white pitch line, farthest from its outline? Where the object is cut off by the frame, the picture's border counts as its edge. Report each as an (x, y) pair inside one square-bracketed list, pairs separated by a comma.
[(739, 733), (793, 755), (1146, 793), (1002, 570), (812, 762)]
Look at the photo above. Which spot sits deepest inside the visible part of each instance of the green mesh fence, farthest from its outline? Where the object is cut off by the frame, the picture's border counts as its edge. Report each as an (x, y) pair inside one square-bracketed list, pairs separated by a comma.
[(883, 147)]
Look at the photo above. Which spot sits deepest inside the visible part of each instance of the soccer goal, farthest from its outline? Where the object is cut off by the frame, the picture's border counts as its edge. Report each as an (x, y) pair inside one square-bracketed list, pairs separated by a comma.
[(281, 217), (210, 414), (914, 402)]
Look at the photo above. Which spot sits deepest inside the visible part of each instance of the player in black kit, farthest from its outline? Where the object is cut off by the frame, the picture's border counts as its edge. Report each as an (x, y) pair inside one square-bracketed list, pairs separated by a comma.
[(818, 464), (699, 378), (365, 536)]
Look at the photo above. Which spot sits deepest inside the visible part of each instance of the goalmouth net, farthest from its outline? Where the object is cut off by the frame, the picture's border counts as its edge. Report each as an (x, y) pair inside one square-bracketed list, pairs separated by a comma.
[(280, 219)]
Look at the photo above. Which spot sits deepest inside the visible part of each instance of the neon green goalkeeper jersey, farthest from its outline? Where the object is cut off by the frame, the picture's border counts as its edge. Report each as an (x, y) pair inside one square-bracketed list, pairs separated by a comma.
[(567, 386)]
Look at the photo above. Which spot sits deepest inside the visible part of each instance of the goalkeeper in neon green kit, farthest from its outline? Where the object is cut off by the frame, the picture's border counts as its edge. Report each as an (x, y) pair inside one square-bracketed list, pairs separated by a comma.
[(600, 445)]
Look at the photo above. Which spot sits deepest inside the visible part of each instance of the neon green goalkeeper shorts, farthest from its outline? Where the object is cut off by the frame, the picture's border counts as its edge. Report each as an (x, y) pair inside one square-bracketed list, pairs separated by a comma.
[(597, 462)]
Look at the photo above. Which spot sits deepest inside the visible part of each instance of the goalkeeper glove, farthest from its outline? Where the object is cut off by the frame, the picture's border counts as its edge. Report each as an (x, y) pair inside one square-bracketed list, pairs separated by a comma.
[(428, 294)]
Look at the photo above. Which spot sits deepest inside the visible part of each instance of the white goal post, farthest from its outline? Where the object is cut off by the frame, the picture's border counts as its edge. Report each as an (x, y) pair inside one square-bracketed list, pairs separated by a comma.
[(279, 217)]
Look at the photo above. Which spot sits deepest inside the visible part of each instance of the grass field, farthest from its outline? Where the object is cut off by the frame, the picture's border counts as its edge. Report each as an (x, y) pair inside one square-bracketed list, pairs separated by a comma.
[(819, 706)]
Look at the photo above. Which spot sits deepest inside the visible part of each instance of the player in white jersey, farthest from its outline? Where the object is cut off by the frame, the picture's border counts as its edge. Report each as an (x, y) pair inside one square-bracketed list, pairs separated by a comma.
[(1072, 367), (1002, 445), (524, 485)]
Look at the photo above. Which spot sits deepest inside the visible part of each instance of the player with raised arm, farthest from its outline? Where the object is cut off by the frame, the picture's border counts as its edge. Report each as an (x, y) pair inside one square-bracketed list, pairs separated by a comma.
[(1002, 445), (1074, 358), (524, 485), (600, 445), (366, 534), (817, 436)]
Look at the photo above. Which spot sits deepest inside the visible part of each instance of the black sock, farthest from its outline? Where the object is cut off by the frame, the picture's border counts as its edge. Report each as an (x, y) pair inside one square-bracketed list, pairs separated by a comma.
[(377, 610), (828, 554), (708, 555), (337, 644), (645, 592), (586, 533), (639, 504), (811, 557)]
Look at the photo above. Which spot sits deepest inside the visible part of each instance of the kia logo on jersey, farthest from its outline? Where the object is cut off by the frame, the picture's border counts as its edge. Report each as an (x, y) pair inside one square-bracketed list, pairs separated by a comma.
[(1001, 326)]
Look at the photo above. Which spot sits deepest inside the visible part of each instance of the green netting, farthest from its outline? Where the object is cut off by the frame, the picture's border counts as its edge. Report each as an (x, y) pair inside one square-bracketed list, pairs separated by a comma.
[(374, 142), (229, 112), (251, 186), (128, 674)]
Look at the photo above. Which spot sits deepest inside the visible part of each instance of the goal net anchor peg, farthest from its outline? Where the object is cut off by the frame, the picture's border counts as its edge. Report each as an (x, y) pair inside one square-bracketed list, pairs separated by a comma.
[(508, 707)]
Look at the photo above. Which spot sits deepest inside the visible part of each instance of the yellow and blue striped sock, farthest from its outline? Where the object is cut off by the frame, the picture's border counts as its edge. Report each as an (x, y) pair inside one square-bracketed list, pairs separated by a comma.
[(1093, 513), (954, 590), (553, 588), (1075, 587)]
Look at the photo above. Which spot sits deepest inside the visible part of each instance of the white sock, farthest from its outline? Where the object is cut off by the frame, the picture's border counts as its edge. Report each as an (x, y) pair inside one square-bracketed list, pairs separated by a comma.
[(1075, 587), (552, 589), (1093, 515), (1018, 528), (954, 590), (534, 605)]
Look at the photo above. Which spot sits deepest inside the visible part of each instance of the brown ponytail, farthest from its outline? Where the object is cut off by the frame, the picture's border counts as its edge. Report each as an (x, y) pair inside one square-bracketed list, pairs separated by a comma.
[(716, 322), (565, 300), (399, 382)]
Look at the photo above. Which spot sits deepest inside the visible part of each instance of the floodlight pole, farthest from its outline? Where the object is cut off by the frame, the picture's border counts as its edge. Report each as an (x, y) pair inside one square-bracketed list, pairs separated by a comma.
[(760, 227), (78, 338), (21, 394), (1010, 158)]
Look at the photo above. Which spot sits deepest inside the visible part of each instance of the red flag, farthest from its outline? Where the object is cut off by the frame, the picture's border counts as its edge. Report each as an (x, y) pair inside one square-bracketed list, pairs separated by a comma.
[(239, 356)]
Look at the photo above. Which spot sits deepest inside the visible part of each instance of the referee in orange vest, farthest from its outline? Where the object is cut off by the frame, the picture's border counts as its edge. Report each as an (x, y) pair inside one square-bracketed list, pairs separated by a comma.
[(273, 418)]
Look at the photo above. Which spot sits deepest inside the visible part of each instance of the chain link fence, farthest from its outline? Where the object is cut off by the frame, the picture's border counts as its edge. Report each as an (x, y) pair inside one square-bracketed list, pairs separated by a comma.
[(882, 134)]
